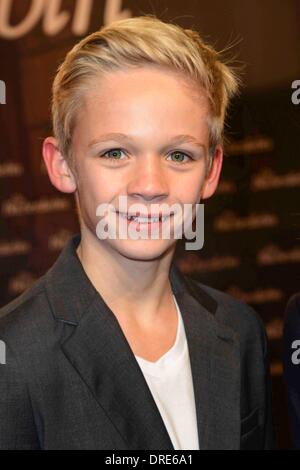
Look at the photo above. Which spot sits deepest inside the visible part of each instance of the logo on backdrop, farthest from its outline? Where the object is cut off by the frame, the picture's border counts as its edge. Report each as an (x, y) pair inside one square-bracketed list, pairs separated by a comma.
[(54, 19)]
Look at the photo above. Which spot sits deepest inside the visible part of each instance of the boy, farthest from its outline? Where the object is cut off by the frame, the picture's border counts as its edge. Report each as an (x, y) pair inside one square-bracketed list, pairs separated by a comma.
[(113, 348)]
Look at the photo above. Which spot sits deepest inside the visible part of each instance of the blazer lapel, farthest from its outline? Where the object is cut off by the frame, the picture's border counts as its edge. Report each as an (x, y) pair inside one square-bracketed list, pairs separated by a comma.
[(215, 363), (101, 355)]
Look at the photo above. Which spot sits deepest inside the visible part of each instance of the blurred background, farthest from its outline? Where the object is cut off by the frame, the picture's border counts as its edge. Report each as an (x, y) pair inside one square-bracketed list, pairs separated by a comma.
[(252, 224)]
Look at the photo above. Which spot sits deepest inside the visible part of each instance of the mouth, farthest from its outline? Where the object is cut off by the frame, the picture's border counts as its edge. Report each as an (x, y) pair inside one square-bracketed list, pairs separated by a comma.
[(144, 219)]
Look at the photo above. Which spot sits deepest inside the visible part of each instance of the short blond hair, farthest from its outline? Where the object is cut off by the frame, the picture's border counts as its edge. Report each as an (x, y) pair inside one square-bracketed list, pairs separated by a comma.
[(136, 42)]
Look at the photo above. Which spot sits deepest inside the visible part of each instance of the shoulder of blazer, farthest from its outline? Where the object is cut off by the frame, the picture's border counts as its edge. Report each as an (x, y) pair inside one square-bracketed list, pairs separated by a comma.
[(26, 313), (232, 312), (291, 327), (292, 310)]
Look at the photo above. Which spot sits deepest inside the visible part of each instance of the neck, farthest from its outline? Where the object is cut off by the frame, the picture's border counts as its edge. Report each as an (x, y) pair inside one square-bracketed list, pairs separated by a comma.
[(139, 289)]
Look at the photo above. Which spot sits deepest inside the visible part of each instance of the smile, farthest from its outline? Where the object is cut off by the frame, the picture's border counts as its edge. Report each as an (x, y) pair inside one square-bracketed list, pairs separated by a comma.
[(144, 219)]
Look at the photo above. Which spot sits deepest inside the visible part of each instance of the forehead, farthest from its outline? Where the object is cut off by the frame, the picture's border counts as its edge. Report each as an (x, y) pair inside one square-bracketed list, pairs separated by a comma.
[(143, 98), (142, 82)]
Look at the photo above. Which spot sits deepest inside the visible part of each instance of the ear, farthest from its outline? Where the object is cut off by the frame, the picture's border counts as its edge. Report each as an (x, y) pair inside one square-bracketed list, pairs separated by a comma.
[(58, 169), (211, 181)]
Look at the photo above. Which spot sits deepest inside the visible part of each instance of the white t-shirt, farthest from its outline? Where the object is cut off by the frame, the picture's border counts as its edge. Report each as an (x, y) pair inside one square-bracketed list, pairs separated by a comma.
[(170, 382)]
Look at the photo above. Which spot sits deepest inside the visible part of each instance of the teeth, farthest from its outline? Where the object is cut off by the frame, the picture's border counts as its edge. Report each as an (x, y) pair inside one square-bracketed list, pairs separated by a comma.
[(142, 220), (145, 219)]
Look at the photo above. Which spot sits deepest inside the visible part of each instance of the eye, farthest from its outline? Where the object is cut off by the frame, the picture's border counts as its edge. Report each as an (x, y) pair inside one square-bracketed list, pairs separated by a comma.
[(112, 155), (180, 154)]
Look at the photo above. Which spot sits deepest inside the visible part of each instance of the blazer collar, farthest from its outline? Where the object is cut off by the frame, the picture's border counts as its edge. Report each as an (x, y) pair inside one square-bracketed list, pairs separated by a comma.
[(101, 355), (67, 277)]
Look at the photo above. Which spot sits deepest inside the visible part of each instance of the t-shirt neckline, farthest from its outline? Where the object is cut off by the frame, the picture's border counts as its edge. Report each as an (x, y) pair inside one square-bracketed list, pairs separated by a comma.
[(172, 355)]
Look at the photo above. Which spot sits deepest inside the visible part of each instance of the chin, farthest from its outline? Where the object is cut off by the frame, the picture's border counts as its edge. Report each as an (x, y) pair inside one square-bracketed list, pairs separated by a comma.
[(144, 250)]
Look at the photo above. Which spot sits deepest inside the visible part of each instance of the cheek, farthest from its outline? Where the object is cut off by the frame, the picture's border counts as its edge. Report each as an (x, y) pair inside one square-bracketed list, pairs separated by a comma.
[(95, 184), (190, 191)]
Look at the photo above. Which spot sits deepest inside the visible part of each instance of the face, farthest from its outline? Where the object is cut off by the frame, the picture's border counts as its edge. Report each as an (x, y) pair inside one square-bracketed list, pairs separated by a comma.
[(151, 165)]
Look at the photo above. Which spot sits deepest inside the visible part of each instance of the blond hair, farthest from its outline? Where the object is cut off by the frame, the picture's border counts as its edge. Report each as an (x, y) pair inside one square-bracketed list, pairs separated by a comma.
[(135, 42)]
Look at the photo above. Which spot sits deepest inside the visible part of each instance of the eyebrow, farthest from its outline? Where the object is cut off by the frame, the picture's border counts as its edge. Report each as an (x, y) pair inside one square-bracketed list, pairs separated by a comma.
[(178, 139)]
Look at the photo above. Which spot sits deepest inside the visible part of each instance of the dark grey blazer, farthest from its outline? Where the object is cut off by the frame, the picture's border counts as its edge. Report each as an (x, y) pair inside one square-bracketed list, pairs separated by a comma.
[(71, 380)]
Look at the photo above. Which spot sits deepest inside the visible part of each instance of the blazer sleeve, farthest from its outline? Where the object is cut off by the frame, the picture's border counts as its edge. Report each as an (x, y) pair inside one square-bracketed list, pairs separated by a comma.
[(17, 427), (291, 357)]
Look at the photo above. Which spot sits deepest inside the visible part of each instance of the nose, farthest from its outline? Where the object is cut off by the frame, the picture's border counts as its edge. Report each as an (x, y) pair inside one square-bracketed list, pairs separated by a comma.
[(149, 180)]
